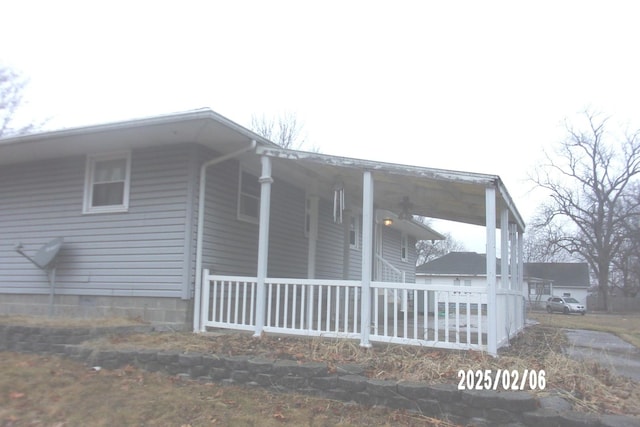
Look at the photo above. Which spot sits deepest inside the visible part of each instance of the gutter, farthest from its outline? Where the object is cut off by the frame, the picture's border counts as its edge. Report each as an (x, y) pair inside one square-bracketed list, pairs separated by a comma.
[(200, 231)]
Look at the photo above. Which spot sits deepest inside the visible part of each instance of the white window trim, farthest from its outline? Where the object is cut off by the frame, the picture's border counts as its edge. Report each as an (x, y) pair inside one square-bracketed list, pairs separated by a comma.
[(404, 247), (240, 216), (87, 208), (356, 219)]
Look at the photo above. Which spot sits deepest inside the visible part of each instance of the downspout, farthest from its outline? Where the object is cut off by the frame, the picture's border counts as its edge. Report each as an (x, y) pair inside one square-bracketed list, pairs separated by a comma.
[(197, 303)]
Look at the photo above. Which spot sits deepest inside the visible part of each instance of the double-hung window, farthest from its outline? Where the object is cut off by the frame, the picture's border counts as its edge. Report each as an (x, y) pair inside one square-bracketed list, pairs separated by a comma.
[(107, 180)]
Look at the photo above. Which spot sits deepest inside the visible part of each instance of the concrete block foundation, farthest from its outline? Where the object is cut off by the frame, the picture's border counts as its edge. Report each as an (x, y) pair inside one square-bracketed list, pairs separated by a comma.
[(155, 310)]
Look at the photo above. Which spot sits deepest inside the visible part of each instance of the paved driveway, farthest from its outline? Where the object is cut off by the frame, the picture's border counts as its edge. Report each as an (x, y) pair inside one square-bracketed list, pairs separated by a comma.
[(612, 352)]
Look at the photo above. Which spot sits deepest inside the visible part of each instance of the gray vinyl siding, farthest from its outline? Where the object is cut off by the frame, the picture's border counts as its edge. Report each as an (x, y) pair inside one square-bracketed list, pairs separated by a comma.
[(391, 252), (231, 245), (355, 253), (330, 253), (288, 246), (330, 245), (134, 253), (413, 259)]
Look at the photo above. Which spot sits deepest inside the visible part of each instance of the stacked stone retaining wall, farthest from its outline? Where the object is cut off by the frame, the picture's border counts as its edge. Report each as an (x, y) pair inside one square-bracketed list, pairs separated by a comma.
[(347, 383)]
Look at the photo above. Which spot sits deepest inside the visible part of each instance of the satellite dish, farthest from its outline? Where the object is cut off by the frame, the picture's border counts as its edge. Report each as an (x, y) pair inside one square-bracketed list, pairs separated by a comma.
[(45, 259), (47, 253)]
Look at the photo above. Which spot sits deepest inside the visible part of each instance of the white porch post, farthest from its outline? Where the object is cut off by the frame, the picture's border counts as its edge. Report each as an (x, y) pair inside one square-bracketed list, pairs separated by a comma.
[(263, 243), (492, 326), (520, 259), (514, 256), (520, 282), (505, 283), (367, 257)]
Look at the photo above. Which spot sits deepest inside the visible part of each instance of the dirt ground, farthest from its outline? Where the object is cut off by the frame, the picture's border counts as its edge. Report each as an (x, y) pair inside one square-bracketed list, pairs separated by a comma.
[(53, 392), (588, 386)]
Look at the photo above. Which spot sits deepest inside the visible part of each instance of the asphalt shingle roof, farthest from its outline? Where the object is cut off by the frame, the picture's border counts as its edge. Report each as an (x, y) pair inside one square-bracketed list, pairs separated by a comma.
[(570, 274), (467, 263)]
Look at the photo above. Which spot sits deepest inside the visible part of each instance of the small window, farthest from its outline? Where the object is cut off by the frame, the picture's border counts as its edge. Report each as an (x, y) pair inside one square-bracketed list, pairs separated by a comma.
[(404, 247), (566, 294), (107, 183), (248, 197), (354, 232)]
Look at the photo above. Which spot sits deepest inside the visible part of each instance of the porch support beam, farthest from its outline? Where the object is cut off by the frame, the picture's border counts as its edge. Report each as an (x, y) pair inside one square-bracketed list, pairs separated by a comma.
[(367, 257), (492, 326), (263, 243)]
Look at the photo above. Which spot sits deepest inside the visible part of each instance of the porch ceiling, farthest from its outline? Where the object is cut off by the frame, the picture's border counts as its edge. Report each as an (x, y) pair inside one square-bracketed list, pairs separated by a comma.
[(433, 193)]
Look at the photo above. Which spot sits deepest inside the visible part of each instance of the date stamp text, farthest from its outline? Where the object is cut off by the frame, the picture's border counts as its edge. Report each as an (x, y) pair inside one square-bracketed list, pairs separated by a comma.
[(506, 379)]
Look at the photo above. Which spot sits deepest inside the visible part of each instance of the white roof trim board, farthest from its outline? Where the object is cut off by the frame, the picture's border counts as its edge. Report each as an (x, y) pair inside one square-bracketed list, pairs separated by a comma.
[(436, 193), (445, 194)]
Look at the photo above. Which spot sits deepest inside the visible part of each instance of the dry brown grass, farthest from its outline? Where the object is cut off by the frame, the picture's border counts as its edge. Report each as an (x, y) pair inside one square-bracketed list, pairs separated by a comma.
[(590, 387), (49, 391)]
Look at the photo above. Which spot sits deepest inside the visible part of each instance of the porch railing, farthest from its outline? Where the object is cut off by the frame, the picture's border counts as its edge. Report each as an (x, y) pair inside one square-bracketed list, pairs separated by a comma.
[(441, 316), (510, 314)]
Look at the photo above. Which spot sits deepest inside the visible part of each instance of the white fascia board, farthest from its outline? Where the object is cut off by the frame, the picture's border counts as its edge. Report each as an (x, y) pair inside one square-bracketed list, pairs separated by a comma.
[(406, 170), (392, 168), (106, 127), (508, 201), (203, 113)]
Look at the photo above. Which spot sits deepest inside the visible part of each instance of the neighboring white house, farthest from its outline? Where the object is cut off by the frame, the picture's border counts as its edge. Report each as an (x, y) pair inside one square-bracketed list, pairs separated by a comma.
[(541, 280), (190, 218), (564, 279)]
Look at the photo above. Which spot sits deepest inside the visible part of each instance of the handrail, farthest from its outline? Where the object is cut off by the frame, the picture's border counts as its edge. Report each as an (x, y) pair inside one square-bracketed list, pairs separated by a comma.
[(393, 268)]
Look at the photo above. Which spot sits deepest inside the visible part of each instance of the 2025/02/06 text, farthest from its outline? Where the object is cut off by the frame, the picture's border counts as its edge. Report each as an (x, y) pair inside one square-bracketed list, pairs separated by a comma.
[(502, 379)]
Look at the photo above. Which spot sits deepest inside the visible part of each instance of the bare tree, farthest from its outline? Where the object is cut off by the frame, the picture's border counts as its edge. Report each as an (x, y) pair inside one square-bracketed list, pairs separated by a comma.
[(540, 243), (12, 86), (427, 250), (589, 182), (285, 130), (626, 262)]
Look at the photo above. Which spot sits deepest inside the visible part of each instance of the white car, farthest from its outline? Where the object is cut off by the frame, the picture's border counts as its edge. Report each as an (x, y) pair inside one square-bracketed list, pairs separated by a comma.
[(565, 305)]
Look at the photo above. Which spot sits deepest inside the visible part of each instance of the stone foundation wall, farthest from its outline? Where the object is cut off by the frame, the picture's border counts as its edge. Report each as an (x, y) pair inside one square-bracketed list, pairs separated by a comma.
[(149, 309), (347, 383)]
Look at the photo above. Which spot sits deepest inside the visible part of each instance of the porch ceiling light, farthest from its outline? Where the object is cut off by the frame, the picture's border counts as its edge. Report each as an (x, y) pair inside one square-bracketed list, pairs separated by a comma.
[(388, 222)]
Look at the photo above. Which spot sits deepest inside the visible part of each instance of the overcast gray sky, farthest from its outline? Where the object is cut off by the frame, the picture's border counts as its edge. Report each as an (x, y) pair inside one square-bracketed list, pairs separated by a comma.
[(480, 86)]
